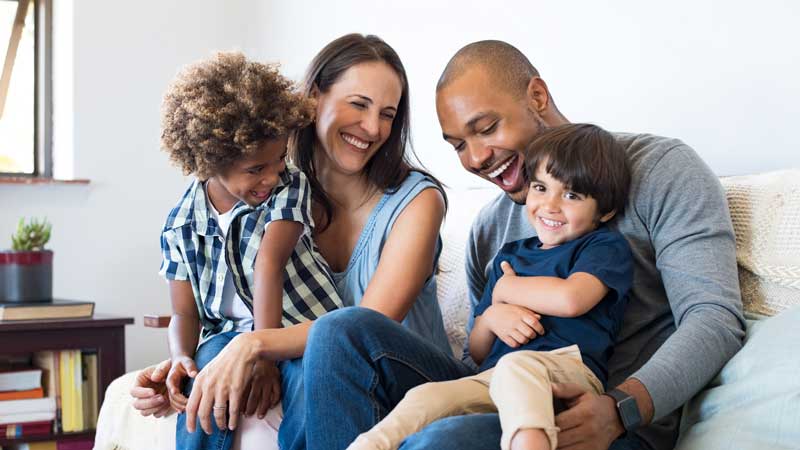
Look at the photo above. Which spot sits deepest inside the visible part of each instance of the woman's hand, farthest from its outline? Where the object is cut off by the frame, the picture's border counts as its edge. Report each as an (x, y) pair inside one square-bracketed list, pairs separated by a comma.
[(218, 388), (150, 390), (512, 324), (182, 367), (264, 390)]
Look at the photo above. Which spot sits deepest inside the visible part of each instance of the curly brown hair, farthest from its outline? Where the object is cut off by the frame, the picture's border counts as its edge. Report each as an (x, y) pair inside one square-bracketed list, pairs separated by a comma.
[(223, 108)]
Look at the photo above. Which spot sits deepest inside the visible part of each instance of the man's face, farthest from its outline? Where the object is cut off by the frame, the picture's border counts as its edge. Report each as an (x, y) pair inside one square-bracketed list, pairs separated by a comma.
[(489, 129)]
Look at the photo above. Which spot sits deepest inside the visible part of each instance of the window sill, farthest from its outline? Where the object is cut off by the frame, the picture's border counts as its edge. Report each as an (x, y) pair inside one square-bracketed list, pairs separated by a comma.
[(40, 180)]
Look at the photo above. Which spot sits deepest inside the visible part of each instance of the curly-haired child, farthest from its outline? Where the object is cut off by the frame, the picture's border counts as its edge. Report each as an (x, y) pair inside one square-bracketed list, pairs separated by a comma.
[(237, 248), (553, 303)]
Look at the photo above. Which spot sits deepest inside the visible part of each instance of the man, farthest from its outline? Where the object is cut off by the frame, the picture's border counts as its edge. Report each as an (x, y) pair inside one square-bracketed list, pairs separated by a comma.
[(683, 322)]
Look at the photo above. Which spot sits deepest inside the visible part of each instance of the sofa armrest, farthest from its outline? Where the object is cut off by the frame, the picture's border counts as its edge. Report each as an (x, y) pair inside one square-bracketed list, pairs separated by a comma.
[(153, 321), (120, 426)]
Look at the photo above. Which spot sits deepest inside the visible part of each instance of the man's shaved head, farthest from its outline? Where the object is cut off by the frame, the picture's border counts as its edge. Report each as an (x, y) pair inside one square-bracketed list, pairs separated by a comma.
[(503, 62)]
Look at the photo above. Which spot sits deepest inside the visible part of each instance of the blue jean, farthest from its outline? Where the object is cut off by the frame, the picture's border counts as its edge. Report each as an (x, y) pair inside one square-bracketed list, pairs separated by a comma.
[(290, 433), (358, 364), (480, 431), (218, 439)]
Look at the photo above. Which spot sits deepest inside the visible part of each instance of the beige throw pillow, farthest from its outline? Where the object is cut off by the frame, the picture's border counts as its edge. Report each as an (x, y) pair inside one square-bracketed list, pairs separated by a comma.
[(765, 210)]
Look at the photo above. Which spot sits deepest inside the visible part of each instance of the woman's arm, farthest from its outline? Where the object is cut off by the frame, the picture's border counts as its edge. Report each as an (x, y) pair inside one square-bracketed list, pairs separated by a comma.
[(276, 247), (406, 261)]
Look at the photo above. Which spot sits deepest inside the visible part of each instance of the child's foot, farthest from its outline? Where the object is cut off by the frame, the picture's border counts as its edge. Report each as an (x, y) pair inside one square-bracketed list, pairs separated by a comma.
[(362, 442), (530, 439)]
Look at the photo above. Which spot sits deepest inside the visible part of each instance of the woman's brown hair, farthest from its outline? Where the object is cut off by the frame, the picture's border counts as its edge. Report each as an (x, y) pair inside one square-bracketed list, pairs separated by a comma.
[(389, 166)]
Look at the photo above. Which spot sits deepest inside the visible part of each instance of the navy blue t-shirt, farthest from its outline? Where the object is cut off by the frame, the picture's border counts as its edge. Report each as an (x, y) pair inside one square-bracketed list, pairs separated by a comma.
[(603, 253)]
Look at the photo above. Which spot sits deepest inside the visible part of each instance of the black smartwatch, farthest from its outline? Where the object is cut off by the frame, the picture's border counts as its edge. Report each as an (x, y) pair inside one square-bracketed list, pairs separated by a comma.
[(627, 409)]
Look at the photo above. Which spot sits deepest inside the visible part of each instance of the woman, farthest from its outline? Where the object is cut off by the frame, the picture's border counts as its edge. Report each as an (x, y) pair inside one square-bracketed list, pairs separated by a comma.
[(377, 220)]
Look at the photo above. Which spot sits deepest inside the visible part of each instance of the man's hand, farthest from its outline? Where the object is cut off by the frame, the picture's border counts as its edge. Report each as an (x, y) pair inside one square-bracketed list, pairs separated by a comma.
[(150, 390), (264, 390), (512, 324), (590, 422), (182, 367)]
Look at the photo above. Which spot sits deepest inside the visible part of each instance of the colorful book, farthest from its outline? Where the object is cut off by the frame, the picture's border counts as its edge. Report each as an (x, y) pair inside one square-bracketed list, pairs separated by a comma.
[(45, 445), (48, 362), (56, 309), (28, 429), (26, 417), (29, 405), (21, 379), (75, 444), (77, 392), (89, 360), (65, 375), (19, 395)]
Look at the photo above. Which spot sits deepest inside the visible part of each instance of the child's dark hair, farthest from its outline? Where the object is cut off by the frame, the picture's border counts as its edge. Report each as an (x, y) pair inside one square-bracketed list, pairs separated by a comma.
[(221, 109), (587, 159)]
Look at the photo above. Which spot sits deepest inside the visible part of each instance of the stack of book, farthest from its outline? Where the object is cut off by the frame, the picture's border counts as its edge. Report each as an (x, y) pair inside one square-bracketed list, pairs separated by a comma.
[(24, 409), (57, 392)]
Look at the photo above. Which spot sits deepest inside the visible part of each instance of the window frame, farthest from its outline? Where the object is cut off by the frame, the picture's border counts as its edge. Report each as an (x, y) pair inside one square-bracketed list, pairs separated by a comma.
[(42, 96)]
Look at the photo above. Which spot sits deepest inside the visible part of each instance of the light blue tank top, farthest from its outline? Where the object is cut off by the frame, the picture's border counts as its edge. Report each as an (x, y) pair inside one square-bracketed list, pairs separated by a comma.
[(425, 317)]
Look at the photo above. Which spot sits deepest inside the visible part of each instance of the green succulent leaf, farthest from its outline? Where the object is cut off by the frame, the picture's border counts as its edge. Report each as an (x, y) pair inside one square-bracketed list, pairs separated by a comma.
[(31, 236)]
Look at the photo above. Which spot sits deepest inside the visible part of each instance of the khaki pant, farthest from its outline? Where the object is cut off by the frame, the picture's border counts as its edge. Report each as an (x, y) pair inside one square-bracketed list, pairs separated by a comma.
[(518, 388)]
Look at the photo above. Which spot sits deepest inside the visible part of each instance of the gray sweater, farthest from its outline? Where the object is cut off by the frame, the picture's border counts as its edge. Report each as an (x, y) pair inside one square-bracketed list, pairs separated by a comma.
[(684, 318)]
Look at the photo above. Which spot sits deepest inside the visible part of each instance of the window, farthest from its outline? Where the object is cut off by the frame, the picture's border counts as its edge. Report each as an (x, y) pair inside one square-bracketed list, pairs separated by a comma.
[(25, 125)]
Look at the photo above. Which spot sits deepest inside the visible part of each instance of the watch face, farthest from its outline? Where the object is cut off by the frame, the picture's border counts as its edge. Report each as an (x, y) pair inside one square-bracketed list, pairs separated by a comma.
[(629, 413)]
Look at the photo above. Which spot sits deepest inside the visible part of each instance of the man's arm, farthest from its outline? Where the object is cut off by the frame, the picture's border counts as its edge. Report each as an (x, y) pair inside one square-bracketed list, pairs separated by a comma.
[(683, 206), (695, 251), (274, 251)]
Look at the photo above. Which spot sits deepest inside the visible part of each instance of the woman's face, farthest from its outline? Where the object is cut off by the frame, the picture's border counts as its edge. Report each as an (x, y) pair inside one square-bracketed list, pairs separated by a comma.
[(355, 116)]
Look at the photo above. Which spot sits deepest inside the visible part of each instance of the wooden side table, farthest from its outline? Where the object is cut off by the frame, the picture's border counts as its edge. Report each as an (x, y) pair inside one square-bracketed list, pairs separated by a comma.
[(103, 333)]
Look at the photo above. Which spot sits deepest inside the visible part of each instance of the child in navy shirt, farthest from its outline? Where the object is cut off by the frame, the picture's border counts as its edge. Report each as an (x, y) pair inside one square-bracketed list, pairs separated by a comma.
[(553, 304)]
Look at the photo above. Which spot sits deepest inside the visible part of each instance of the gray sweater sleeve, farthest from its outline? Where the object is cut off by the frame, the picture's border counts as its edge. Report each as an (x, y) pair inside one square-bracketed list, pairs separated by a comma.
[(476, 281), (684, 207)]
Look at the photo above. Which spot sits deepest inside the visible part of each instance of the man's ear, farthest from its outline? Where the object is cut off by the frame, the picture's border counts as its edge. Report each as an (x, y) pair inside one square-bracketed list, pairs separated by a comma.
[(538, 96), (608, 216)]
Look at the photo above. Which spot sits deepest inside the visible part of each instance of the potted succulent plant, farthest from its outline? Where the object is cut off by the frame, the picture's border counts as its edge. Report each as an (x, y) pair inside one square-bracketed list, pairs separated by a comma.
[(26, 271)]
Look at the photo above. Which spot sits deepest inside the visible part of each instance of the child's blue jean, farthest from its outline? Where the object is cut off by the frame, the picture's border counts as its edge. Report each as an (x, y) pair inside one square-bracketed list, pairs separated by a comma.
[(218, 439)]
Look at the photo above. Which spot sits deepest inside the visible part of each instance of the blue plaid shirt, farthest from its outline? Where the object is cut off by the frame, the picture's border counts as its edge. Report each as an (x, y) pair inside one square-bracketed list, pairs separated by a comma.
[(194, 249)]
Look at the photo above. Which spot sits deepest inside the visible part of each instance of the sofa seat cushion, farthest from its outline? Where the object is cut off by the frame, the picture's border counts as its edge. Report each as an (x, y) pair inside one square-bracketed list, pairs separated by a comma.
[(754, 402)]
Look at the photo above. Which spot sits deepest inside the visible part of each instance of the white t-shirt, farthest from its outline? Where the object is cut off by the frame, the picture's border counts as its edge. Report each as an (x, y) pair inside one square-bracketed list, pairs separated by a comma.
[(232, 306)]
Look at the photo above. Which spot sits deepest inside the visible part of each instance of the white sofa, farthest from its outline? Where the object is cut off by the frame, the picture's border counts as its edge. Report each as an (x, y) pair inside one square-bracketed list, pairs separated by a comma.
[(753, 403)]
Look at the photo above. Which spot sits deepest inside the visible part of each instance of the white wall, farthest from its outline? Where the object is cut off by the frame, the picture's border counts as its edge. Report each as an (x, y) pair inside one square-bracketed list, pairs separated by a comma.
[(720, 75), (106, 233)]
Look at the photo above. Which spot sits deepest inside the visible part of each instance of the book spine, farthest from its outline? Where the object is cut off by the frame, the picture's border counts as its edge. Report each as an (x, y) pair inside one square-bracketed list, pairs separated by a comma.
[(57, 428)]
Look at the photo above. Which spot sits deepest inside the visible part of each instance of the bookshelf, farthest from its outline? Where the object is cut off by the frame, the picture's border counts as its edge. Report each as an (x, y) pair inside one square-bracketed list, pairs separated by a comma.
[(102, 333)]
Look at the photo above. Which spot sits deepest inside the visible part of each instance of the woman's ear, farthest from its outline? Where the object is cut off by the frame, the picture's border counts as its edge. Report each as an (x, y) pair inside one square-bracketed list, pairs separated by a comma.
[(314, 91)]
